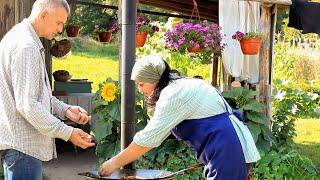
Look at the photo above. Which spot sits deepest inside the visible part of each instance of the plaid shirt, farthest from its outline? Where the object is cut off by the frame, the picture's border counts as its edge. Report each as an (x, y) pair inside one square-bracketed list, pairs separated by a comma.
[(27, 106)]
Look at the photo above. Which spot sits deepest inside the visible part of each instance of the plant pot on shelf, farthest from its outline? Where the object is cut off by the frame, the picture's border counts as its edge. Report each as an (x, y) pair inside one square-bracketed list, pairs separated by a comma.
[(141, 38), (105, 36), (250, 46), (72, 31), (194, 49)]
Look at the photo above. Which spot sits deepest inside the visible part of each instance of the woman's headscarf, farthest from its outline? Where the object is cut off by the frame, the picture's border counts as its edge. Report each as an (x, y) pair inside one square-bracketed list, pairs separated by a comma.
[(148, 69)]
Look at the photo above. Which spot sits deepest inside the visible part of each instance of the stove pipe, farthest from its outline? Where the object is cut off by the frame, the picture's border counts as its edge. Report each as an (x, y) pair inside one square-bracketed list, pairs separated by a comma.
[(128, 20)]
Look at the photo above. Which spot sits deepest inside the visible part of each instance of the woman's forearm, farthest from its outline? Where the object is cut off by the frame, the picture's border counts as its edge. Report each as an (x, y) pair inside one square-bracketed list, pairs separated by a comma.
[(130, 154)]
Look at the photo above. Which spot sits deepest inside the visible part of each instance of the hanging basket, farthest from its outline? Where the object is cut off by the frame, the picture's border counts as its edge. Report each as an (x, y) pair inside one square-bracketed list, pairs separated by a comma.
[(141, 38), (72, 31), (60, 48), (105, 36), (194, 49), (250, 46)]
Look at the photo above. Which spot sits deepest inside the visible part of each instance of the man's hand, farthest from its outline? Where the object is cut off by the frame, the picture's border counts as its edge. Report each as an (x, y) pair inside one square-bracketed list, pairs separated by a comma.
[(78, 115), (81, 138)]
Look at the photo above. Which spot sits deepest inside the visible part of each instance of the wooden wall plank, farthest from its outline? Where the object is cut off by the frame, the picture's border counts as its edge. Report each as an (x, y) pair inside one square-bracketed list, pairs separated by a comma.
[(7, 16)]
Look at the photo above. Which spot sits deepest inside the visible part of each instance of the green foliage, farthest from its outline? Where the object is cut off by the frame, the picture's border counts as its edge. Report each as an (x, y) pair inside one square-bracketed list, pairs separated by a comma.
[(299, 63), (1, 173), (74, 20), (250, 35), (93, 19), (284, 164), (172, 155), (244, 100), (287, 106), (107, 128)]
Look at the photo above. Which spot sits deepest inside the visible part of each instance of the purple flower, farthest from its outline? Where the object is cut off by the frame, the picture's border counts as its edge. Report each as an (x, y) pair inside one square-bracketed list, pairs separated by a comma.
[(115, 27), (238, 35), (205, 35)]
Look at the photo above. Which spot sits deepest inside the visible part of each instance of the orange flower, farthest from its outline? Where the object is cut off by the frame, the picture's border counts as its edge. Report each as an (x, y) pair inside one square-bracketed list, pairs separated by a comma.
[(109, 92)]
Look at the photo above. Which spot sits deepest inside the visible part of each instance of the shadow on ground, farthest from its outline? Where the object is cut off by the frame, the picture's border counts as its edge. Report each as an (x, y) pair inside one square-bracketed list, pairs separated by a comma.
[(69, 162)]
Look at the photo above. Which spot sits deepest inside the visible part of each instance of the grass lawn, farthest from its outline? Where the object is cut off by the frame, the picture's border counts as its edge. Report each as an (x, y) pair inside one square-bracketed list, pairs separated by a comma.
[(89, 60), (308, 139), (92, 68)]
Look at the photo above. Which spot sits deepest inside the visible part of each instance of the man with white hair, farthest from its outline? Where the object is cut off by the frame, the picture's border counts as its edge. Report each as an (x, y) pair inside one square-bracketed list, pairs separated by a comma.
[(27, 124)]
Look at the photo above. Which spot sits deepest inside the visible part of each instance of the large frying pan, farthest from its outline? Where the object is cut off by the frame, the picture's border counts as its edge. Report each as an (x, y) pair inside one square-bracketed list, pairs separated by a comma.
[(140, 173)]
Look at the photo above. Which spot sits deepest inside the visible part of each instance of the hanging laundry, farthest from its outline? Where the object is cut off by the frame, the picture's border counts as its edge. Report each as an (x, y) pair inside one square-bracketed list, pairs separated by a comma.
[(236, 15), (304, 16)]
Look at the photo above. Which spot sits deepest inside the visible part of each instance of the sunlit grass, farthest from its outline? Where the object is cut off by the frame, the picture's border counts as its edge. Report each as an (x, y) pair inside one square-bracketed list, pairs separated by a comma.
[(308, 139), (95, 69)]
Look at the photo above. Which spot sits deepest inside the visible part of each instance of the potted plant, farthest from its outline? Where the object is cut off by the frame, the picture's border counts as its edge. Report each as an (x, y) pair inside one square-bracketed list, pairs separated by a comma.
[(105, 26), (205, 38), (73, 25), (143, 28), (250, 42)]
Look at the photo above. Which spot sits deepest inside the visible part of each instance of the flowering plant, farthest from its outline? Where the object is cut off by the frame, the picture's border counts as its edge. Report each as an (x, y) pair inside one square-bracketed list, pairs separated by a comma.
[(105, 23), (143, 25), (206, 36), (244, 36), (107, 128)]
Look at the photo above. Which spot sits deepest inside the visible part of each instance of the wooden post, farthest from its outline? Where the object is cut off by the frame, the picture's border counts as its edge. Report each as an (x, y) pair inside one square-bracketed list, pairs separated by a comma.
[(214, 72), (268, 22), (7, 16)]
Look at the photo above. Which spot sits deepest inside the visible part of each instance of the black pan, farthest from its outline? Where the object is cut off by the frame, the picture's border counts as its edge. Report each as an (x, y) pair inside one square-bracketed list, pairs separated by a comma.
[(140, 173)]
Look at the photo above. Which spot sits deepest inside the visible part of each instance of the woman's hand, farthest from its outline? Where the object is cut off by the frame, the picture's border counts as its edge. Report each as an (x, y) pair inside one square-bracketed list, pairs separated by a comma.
[(108, 167), (131, 153)]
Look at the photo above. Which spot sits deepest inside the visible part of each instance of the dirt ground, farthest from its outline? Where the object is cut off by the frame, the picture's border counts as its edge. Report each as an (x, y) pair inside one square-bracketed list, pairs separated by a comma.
[(69, 164)]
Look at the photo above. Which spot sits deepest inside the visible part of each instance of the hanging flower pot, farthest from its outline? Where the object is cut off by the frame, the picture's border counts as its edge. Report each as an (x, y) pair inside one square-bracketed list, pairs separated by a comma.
[(141, 38), (194, 49), (105, 36), (250, 42), (60, 48), (72, 31), (250, 46)]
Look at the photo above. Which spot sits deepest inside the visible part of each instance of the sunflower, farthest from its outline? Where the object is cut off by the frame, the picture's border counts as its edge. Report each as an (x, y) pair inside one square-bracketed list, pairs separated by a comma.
[(109, 92)]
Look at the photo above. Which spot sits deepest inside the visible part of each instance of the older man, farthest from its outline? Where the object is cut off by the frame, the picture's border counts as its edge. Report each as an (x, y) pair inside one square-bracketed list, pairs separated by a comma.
[(27, 124)]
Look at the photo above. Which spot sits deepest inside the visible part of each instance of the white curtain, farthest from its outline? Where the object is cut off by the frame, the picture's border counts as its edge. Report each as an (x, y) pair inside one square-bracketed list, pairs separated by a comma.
[(244, 16)]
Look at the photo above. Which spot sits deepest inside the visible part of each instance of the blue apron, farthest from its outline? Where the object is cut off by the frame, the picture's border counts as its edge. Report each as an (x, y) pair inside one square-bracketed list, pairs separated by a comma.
[(217, 145)]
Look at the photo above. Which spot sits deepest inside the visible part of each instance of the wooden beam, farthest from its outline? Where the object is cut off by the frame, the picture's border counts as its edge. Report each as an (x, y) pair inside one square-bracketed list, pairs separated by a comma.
[(98, 5), (268, 23), (210, 14), (214, 72)]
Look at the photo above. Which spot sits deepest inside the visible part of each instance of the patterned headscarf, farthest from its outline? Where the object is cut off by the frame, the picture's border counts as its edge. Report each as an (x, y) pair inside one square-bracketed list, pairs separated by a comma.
[(148, 69)]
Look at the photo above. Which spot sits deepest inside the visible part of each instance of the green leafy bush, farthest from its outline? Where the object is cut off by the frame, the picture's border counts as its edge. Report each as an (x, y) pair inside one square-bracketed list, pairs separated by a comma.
[(284, 164), (287, 106), (244, 100)]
